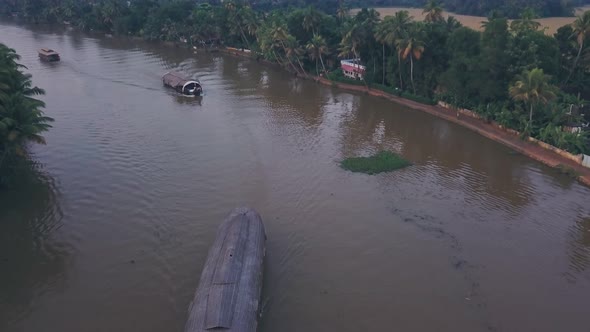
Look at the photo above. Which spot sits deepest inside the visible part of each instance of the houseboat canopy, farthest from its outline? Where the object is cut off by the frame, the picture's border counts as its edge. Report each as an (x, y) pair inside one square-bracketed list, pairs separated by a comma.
[(181, 84), (48, 54)]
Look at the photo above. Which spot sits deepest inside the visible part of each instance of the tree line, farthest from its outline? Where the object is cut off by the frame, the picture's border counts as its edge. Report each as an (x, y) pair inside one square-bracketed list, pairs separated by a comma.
[(21, 115), (510, 73)]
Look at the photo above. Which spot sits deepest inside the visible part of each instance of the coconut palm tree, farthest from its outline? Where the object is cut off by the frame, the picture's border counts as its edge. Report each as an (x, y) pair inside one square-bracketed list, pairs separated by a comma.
[(452, 24), (382, 35), (108, 12), (294, 50), (238, 17), (342, 12), (433, 11), (267, 44), (21, 118), (311, 19), (351, 40), (533, 88), (401, 21), (581, 28), (493, 16), (280, 35), (412, 46), (354, 34), (391, 29), (317, 48), (230, 6), (250, 20), (360, 30), (372, 19), (526, 21)]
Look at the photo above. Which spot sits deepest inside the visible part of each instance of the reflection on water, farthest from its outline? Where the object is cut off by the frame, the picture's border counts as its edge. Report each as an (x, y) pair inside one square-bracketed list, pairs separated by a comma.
[(144, 177), (187, 100), (579, 248), (30, 257), (461, 164)]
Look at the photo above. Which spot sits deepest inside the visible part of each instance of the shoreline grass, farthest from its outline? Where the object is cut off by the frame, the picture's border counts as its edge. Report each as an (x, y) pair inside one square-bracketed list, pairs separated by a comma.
[(383, 161), (568, 171)]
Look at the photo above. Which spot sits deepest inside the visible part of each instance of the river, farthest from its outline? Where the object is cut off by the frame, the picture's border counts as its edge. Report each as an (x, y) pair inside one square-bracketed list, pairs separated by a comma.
[(111, 230)]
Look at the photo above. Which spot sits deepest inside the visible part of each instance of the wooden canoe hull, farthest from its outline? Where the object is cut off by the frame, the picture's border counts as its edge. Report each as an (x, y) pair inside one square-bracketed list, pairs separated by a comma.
[(229, 290)]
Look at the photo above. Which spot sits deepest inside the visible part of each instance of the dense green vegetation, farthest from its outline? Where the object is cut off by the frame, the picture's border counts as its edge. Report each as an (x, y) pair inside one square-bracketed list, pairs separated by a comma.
[(21, 118), (510, 73), (383, 161)]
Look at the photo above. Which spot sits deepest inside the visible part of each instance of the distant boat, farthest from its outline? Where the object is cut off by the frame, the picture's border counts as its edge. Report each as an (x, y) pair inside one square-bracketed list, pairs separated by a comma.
[(182, 85), (49, 55)]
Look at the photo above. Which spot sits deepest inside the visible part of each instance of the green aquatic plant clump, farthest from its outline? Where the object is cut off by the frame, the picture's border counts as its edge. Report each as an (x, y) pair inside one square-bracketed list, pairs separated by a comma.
[(383, 161)]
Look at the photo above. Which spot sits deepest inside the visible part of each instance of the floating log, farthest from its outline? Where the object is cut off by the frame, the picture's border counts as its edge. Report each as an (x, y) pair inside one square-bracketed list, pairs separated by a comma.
[(228, 295)]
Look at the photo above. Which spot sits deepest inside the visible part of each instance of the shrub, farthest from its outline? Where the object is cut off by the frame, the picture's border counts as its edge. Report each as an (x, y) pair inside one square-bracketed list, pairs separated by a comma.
[(338, 76), (575, 143), (387, 89), (420, 99), (452, 99)]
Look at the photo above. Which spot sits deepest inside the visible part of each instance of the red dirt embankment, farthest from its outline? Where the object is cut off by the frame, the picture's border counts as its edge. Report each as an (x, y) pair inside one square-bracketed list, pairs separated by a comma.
[(490, 131)]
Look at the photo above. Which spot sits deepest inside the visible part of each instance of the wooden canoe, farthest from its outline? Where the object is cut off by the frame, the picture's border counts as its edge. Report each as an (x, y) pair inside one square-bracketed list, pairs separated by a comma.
[(228, 295)]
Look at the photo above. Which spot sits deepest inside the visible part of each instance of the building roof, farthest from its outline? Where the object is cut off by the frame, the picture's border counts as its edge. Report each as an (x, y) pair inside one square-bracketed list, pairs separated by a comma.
[(352, 65), (47, 51), (174, 79)]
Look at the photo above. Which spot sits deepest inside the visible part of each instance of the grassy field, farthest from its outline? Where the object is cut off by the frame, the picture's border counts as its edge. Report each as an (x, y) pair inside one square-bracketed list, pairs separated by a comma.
[(551, 24)]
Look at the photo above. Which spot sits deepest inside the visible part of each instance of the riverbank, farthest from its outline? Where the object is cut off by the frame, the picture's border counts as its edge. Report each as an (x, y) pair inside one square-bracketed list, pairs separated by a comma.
[(532, 149), (491, 131)]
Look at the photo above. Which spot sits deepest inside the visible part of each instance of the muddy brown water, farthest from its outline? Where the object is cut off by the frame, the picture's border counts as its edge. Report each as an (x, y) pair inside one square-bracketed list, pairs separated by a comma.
[(111, 231)]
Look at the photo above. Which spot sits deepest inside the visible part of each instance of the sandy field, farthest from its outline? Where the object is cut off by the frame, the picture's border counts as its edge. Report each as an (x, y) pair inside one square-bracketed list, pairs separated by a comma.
[(550, 24)]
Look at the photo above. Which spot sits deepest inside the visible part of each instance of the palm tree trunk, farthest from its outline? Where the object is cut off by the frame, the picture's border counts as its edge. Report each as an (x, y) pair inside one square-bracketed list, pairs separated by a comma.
[(244, 37), (383, 54), (301, 66), (575, 62), (322, 61), (317, 71), (531, 116), (383, 80), (399, 64), (278, 58), (358, 64), (287, 56), (412, 72), (3, 156)]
